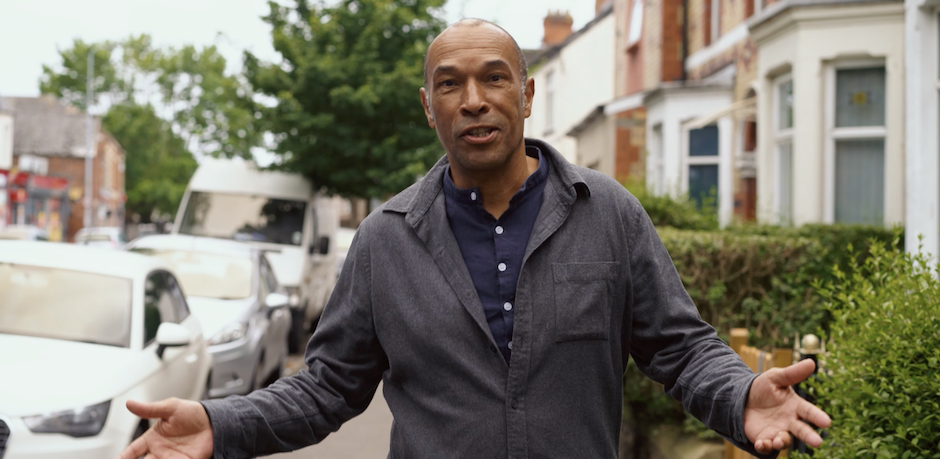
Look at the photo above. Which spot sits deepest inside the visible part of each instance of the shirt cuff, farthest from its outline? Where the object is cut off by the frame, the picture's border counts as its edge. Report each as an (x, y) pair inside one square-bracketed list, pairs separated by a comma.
[(227, 429)]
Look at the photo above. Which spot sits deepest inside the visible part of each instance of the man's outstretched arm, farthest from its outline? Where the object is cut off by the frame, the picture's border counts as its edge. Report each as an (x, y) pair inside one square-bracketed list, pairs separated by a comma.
[(345, 361)]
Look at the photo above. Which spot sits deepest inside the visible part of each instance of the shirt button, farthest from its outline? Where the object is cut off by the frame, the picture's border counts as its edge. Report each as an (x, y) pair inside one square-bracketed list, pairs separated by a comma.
[(501, 267), (514, 404), (473, 195), (499, 230), (507, 306), (510, 345)]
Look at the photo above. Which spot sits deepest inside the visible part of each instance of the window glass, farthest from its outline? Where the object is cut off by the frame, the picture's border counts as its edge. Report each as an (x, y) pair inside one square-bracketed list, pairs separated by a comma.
[(785, 115), (65, 305), (636, 23), (704, 141), (207, 274), (244, 218), (786, 183), (267, 275), (859, 190), (860, 97), (159, 306), (703, 184), (179, 300)]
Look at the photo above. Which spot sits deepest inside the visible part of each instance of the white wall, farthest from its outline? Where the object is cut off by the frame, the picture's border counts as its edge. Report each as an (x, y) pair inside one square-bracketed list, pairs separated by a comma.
[(6, 141), (923, 168), (807, 42), (596, 144), (584, 78)]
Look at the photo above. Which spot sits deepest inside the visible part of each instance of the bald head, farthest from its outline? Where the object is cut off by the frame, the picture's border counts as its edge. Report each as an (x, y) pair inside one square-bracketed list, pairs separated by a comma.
[(472, 22)]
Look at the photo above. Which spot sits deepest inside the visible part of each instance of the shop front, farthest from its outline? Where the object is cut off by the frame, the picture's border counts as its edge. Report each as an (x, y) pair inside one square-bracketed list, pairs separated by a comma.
[(36, 201)]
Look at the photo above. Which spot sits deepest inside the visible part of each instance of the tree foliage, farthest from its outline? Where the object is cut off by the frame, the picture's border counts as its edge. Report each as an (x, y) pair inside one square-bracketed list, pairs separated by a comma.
[(161, 105), (348, 114)]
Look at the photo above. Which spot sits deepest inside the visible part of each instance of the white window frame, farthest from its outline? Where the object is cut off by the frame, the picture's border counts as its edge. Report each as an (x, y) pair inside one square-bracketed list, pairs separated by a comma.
[(782, 136), (700, 160), (715, 20), (635, 33), (834, 134)]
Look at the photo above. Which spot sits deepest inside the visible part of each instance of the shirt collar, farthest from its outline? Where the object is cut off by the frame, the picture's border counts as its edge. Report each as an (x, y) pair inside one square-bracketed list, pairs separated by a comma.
[(471, 196)]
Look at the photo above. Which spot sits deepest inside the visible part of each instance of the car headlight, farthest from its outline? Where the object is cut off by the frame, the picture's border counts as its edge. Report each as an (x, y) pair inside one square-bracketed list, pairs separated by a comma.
[(82, 422), (232, 332)]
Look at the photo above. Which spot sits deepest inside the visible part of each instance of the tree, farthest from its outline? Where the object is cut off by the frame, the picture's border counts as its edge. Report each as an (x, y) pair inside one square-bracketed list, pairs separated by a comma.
[(161, 105), (348, 114)]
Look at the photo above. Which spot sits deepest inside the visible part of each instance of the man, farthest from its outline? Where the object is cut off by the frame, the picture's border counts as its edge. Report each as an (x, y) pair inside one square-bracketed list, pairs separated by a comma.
[(498, 299)]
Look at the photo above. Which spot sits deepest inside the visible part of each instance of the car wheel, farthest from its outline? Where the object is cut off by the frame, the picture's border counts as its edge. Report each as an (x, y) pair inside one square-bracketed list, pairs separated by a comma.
[(296, 338), (141, 429), (258, 377)]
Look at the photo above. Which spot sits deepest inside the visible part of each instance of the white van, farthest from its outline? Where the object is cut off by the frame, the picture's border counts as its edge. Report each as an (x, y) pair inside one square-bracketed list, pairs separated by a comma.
[(276, 211)]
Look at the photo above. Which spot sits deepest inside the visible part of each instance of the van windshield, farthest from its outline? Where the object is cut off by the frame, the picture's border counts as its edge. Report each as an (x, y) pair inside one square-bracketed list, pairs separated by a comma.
[(244, 218)]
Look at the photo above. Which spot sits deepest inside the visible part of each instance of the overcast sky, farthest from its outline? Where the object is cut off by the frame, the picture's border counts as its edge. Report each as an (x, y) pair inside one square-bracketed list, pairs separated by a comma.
[(31, 31)]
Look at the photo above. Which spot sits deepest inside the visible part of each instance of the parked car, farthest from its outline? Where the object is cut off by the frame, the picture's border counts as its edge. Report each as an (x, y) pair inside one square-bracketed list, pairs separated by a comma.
[(231, 288), (277, 211), (23, 233), (344, 237), (107, 237), (83, 330)]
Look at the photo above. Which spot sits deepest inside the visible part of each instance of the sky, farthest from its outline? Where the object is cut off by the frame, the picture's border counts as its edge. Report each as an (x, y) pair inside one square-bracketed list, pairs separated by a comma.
[(32, 31)]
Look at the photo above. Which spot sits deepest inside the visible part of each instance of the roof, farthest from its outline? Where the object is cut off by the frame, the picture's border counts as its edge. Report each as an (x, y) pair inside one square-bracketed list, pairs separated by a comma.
[(45, 126), (82, 258), (587, 121), (193, 244), (553, 51)]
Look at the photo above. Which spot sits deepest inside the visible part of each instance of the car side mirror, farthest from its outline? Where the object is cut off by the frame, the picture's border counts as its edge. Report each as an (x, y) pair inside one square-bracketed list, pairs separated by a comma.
[(171, 335), (276, 300)]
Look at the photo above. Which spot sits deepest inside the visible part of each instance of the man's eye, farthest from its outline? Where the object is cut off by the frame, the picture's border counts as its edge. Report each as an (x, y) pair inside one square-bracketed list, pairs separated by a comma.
[(447, 83), (496, 77)]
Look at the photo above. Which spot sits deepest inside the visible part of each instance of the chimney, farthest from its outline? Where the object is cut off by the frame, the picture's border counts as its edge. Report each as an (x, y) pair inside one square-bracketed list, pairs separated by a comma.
[(557, 28)]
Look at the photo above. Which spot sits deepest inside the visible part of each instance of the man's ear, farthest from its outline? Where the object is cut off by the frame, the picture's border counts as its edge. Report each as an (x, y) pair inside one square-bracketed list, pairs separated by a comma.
[(528, 94), (427, 108)]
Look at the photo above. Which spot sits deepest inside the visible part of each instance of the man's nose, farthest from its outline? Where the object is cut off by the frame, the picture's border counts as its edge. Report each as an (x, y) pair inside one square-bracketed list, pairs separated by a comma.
[(474, 102)]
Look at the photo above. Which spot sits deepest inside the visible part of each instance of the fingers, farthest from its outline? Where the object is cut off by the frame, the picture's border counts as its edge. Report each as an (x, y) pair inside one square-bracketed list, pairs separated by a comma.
[(136, 449), (792, 374), (805, 433), (811, 413), (162, 409)]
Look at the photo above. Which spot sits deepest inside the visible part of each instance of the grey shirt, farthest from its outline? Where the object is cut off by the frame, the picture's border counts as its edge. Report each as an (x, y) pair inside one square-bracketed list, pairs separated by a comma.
[(596, 286)]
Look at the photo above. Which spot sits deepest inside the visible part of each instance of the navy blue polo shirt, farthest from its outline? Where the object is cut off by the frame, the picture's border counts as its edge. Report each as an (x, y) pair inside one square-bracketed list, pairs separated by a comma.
[(493, 248)]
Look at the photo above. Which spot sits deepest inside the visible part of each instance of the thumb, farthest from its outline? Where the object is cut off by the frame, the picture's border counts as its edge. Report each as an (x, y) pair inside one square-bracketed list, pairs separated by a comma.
[(162, 409), (793, 374)]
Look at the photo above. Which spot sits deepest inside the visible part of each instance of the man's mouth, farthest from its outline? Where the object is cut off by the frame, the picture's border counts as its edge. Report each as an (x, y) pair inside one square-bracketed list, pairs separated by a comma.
[(479, 135)]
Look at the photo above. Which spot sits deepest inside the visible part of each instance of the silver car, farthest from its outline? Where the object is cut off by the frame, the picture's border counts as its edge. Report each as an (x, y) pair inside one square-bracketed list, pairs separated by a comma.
[(231, 289)]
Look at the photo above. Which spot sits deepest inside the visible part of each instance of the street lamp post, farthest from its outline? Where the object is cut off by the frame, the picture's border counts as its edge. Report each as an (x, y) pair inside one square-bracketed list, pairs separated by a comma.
[(89, 139)]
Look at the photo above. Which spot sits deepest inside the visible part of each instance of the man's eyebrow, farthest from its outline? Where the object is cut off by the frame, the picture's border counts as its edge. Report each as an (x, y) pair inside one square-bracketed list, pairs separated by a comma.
[(444, 68), (489, 64), (496, 63)]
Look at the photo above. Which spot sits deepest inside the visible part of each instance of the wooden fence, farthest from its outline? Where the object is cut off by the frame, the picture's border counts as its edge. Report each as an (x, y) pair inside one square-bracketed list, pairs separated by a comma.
[(759, 361)]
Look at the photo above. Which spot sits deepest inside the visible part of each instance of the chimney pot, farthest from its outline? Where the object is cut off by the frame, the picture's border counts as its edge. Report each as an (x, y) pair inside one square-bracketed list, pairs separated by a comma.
[(557, 27)]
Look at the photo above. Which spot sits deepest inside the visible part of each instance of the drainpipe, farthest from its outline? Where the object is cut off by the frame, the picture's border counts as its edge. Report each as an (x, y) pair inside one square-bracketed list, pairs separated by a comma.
[(685, 36)]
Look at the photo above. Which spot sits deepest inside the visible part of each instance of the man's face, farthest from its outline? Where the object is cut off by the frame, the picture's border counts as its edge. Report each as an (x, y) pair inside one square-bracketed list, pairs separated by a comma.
[(477, 103)]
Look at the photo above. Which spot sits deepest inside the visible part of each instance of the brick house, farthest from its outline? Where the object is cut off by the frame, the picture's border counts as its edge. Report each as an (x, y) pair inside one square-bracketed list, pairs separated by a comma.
[(49, 140)]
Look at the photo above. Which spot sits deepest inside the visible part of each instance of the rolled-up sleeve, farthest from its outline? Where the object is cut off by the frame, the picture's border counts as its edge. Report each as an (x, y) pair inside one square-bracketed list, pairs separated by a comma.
[(673, 345), (345, 364)]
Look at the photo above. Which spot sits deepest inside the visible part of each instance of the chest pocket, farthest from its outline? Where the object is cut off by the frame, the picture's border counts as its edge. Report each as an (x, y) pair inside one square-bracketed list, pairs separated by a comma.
[(582, 300)]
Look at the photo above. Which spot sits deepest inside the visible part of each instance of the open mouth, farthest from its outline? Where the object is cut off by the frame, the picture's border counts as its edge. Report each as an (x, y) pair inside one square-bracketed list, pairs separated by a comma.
[(479, 135)]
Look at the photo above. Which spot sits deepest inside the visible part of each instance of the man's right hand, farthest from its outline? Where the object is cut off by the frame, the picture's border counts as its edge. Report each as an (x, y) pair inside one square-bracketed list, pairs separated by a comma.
[(182, 431)]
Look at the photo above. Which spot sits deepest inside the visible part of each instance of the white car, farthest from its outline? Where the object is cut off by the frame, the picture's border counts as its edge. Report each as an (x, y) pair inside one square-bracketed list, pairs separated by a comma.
[(231, 288), (83, 330), (107, 237)]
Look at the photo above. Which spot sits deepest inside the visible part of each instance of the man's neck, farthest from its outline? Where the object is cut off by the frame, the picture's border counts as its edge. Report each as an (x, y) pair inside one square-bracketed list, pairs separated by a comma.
[(498, 187)]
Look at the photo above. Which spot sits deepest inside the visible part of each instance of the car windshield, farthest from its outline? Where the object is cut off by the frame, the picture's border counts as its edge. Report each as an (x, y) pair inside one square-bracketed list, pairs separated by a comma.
[(244, 218), (207, 274), (63, 304)]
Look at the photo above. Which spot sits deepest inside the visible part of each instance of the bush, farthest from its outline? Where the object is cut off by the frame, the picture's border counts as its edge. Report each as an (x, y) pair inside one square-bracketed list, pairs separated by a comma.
[(759, 282), (882, 387), (681, 213)]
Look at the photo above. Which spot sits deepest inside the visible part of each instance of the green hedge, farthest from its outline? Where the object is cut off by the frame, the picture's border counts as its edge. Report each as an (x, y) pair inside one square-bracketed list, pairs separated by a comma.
[(882, 387)]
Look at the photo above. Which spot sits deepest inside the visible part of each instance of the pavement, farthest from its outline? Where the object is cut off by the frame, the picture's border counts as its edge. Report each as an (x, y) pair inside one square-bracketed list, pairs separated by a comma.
[(364, 437)]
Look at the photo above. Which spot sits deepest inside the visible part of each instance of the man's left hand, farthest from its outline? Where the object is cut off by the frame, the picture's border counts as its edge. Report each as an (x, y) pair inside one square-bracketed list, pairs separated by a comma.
[(774, 410)]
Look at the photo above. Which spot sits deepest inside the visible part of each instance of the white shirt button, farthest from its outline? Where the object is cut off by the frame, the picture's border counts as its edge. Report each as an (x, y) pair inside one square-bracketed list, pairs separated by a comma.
[(501, 267), (510, 345), (473, 195), (507, 306), (499, 230)]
